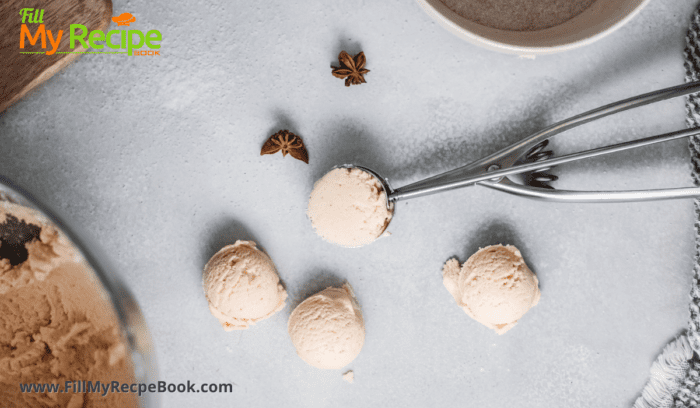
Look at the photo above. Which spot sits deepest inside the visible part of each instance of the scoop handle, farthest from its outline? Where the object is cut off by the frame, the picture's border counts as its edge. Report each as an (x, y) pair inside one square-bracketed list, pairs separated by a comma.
[(497, 164)]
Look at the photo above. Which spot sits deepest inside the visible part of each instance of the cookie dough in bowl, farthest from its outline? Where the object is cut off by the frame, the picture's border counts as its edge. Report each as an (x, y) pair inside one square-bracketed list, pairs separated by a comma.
[(57, 323)]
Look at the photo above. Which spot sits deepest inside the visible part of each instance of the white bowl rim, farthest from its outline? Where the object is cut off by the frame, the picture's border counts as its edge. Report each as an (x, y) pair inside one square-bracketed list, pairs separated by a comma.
[(482, 41)]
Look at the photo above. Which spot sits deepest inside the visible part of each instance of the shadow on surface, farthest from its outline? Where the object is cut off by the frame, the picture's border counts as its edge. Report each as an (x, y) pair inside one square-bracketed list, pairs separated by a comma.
[(464, 149), (350, 144), (226, 232), (282, 122), (532, 114), (345, 43), (319, 280)]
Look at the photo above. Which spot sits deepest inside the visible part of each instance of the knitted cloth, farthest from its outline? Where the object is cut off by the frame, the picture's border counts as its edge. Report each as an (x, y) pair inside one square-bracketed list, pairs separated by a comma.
[(675, 376)]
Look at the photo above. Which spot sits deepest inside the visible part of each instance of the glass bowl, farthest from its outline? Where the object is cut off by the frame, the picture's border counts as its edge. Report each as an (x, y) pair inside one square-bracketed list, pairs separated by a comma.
[(132, 322)]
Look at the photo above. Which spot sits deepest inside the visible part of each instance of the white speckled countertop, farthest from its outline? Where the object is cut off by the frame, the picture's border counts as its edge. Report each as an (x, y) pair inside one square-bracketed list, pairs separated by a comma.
[(157, 158)]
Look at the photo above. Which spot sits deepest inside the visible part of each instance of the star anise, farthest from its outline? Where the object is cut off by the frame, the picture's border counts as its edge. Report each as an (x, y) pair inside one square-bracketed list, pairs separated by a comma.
[(351, 68), (287, 142)]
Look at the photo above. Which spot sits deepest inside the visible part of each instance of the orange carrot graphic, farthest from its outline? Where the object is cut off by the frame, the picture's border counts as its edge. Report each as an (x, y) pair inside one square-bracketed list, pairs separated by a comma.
[(124, 19)]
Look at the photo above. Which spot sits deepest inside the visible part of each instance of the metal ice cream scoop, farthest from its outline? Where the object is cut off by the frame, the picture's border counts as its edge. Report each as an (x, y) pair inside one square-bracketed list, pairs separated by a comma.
[(528, 159)]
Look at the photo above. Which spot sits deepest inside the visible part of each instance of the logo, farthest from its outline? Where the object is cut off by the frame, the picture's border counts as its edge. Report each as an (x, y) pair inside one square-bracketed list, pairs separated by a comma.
[(129, 42), (124, 19)]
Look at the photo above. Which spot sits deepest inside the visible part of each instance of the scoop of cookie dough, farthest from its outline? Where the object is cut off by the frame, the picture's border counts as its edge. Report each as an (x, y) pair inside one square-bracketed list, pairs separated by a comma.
[(327, 329), (348, 207), (494, 287), (242, 286)]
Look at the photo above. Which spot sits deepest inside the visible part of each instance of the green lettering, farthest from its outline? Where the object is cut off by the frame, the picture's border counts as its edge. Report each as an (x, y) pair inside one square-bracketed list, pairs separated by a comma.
[(130, 41), (153, 35), (80, 38), (25, 12), (110, 44), (96, 35)]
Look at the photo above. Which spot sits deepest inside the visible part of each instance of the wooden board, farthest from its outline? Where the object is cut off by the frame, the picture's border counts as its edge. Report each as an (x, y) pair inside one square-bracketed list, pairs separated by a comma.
[(20, 73)]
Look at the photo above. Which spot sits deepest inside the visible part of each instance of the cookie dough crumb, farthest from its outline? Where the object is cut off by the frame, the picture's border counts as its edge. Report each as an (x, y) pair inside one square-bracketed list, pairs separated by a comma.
[(349, 377)]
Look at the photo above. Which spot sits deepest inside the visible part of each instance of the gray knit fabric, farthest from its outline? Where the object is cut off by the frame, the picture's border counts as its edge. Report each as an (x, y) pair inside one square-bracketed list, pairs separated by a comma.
[(692, 108), (674, 380)]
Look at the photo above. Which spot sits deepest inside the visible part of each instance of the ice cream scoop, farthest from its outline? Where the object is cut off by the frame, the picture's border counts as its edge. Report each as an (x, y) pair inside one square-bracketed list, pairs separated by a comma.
[(327, 329), (529, 163), (494, 287), (348, 207), (242, 286)]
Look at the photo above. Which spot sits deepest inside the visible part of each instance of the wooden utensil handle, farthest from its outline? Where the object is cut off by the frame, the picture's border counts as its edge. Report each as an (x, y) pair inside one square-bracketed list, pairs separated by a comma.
[(21, 73)]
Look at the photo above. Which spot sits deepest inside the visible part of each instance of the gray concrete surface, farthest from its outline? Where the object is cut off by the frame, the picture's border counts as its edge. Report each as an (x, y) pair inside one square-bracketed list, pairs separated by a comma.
[(157, 159)]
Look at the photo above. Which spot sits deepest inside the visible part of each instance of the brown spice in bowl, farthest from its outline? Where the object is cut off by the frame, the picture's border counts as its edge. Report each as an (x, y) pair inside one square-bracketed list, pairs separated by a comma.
[(518, 15)]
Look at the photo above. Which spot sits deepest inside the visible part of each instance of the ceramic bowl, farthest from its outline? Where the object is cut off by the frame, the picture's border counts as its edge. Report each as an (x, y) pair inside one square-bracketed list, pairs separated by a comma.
[(600, 19)]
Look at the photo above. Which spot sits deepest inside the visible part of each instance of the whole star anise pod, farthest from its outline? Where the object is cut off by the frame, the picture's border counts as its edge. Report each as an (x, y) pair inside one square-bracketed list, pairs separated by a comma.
[(287, 142), (351, 68)]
